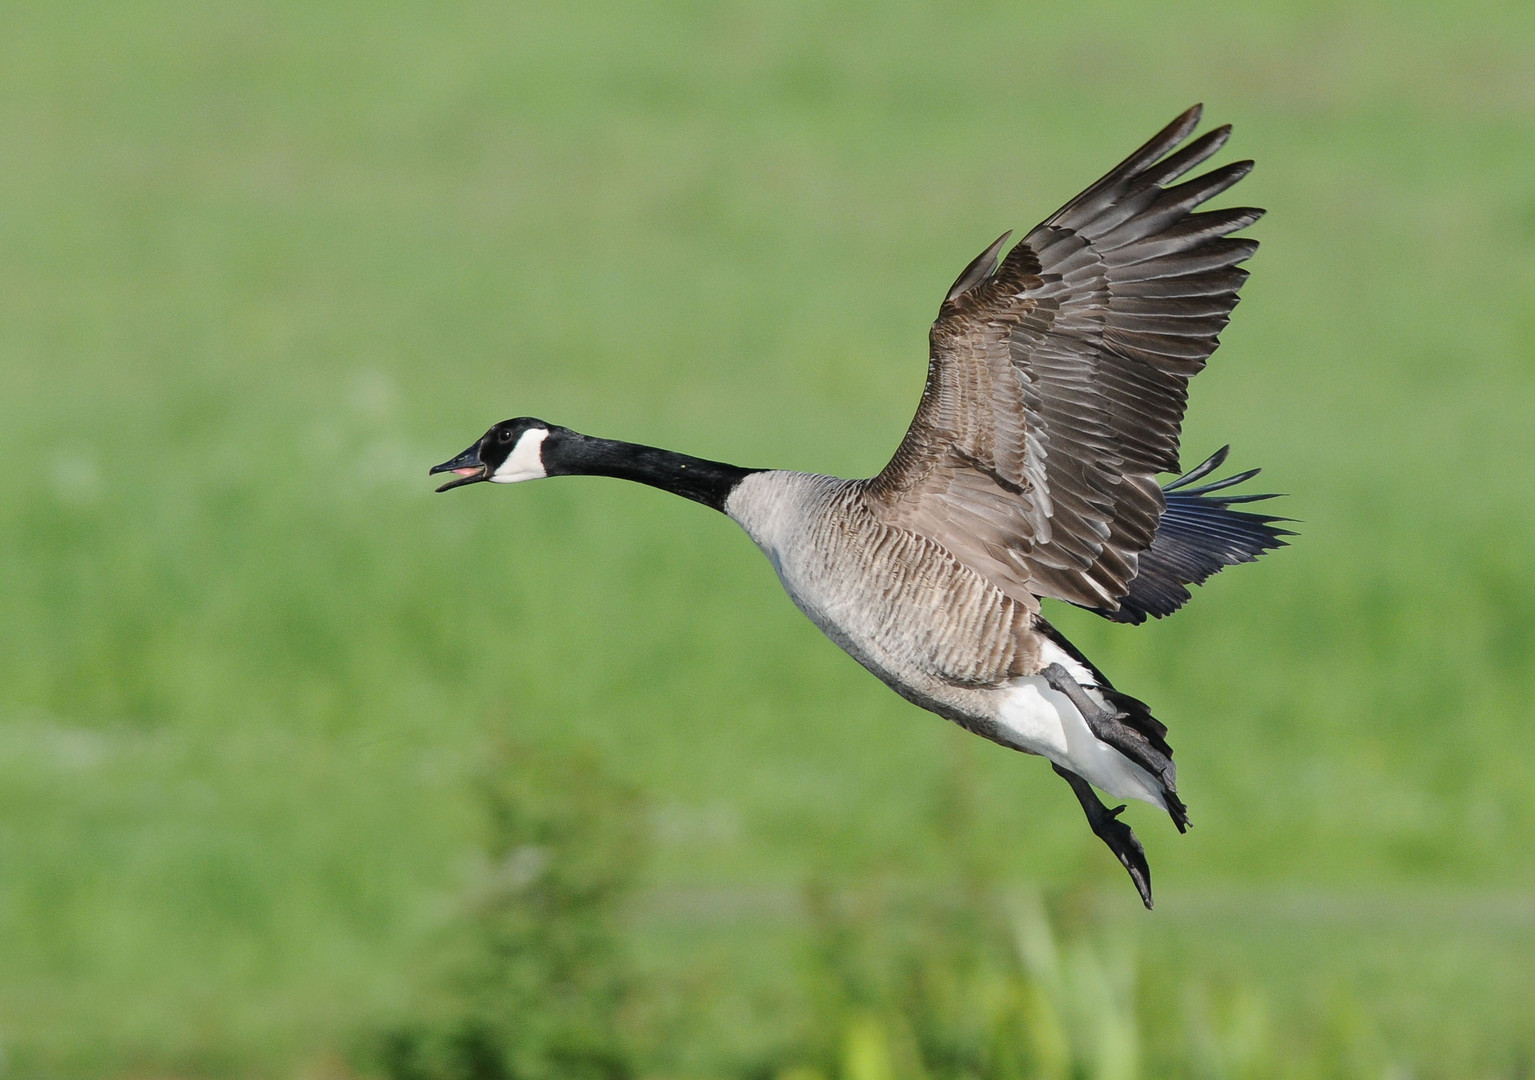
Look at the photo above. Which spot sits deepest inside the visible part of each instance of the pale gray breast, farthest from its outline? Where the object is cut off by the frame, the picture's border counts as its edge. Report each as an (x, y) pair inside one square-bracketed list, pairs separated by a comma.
[(899, 602)]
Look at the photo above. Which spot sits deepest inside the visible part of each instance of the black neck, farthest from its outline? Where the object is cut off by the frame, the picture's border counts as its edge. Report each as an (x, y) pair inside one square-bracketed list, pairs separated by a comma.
[(709, 482)]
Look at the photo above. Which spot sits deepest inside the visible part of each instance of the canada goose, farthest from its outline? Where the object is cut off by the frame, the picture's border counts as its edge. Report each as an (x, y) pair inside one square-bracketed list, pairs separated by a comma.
[(1057, 380)]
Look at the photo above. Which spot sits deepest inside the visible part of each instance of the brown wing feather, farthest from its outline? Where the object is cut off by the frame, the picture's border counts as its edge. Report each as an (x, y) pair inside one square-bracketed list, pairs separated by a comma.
[(1058, 379)]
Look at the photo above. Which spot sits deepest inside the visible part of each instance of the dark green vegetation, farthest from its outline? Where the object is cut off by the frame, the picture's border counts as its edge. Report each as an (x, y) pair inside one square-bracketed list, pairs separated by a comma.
[(528, 978), (262, 264)]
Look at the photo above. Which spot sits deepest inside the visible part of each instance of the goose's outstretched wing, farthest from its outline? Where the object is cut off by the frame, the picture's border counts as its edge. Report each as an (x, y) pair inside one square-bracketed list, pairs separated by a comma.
[(1057, 380)]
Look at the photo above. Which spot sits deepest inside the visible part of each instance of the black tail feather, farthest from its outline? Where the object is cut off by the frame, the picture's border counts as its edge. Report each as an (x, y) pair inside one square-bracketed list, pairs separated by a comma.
[(1198, 535), (1204, 469)]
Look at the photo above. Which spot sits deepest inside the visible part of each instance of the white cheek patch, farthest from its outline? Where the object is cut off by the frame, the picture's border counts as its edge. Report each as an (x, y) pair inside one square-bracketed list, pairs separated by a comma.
[(526, 461)]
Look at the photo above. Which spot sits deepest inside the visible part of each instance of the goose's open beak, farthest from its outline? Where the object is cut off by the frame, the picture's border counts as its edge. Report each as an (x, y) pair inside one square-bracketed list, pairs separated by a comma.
[(467, 467)]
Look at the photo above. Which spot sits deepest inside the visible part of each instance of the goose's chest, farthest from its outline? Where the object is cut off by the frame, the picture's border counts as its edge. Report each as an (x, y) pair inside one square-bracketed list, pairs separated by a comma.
[(897, 603), (832, 578), (821, 549)]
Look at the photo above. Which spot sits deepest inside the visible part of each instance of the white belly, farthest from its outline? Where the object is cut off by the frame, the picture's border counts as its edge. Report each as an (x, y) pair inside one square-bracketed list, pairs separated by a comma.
[(1045, 722)]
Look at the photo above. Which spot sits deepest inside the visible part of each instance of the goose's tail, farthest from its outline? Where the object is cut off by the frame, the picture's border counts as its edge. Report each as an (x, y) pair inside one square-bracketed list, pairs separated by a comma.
[(1198, 535)]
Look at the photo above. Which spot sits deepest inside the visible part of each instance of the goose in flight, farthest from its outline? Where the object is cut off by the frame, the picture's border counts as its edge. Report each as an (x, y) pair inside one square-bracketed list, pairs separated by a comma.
[(1057, 380)]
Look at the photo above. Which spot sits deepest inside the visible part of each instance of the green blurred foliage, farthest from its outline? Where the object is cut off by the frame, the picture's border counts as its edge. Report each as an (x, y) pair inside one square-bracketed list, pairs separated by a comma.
[(528, 980), (992, 989), (262, 264)]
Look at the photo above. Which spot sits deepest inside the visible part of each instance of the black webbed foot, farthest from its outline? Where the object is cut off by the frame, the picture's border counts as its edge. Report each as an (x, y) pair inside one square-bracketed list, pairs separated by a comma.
[(1116, 834), (1110, 727)]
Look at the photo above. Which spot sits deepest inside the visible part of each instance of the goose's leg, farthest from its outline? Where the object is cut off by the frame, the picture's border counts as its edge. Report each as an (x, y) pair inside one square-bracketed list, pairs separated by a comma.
[(1113, 832), (1109, 726)]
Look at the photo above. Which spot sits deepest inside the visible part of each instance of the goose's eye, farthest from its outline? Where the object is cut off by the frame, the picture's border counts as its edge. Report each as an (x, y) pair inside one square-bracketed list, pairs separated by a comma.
[(505, 436)]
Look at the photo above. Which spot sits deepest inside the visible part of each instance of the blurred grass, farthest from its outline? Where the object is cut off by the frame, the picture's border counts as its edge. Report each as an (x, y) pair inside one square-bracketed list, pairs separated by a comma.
[(261, 264)]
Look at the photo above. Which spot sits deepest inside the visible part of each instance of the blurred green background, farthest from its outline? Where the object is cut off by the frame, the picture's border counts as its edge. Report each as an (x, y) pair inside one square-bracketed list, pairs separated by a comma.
[(262, 264)]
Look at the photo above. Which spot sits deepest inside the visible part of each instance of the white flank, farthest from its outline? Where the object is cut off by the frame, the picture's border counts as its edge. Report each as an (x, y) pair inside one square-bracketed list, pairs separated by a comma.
[(1047, 723), (526, 461)]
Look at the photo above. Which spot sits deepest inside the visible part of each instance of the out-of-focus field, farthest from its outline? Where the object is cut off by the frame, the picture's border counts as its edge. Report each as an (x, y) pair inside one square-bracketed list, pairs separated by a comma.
[(262, 264)]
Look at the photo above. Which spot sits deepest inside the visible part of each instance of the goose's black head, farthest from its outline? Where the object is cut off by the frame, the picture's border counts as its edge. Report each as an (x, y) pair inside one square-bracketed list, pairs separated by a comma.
[(513, 450)]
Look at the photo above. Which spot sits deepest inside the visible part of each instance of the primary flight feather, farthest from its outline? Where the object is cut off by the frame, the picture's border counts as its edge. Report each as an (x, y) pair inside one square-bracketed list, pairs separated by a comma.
[(1057, 381)]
